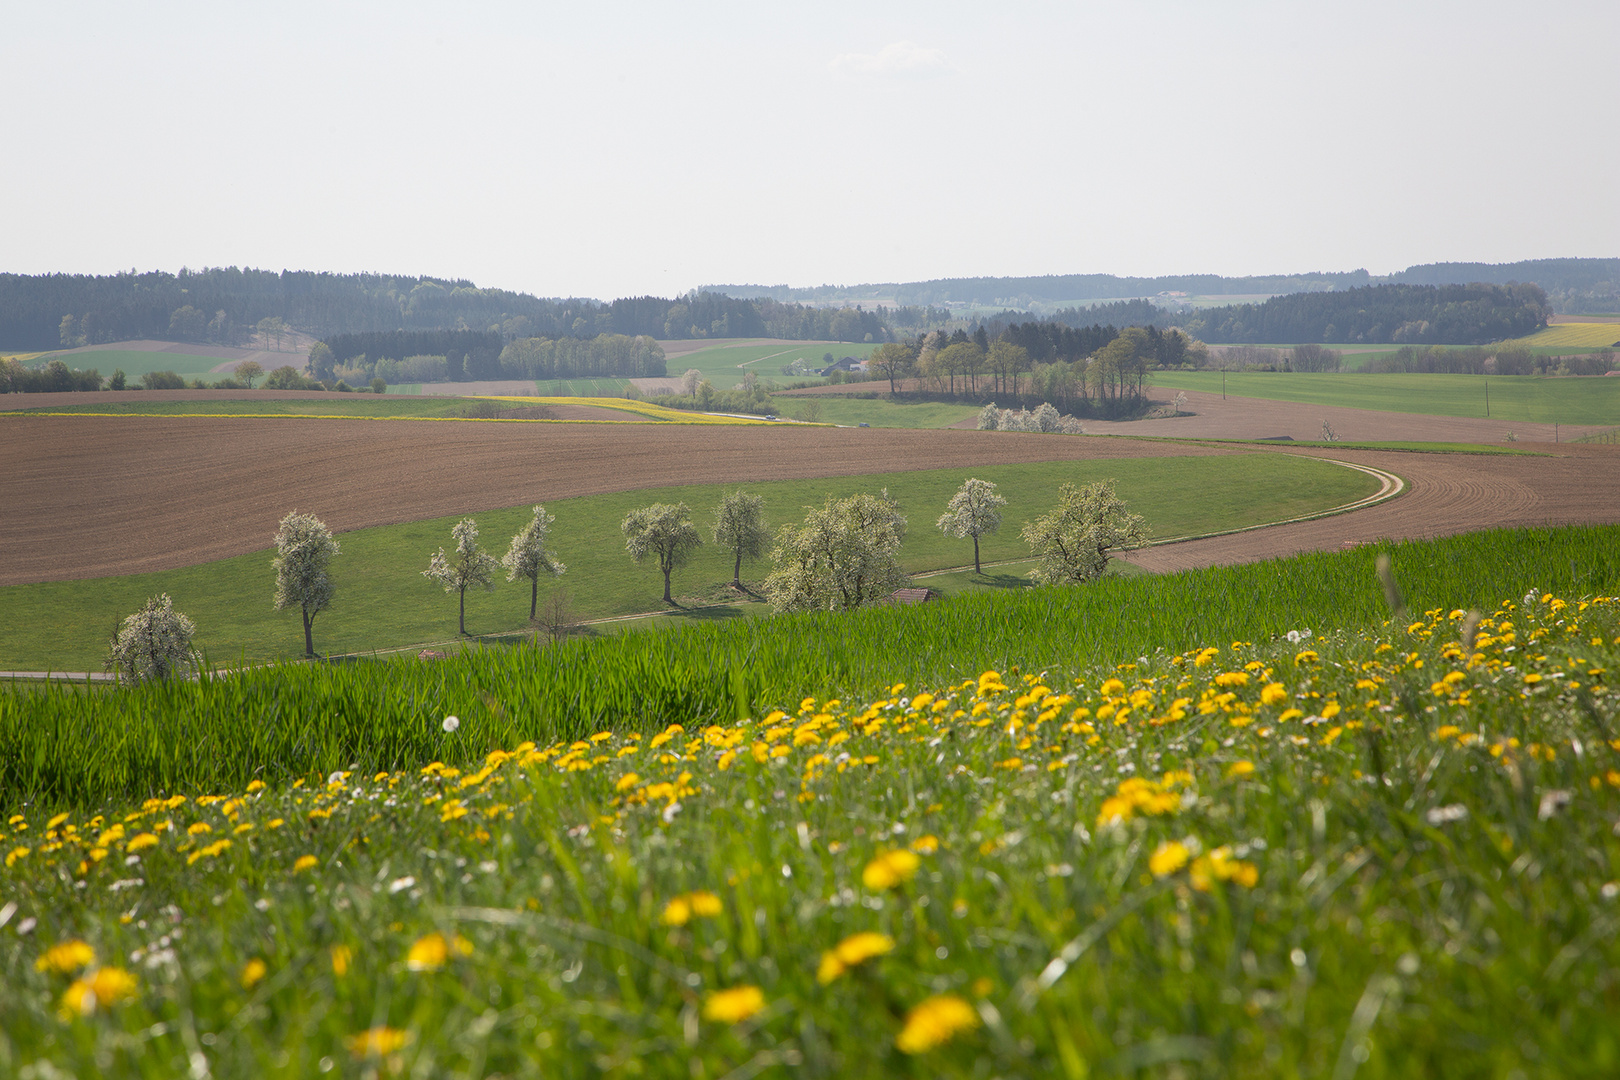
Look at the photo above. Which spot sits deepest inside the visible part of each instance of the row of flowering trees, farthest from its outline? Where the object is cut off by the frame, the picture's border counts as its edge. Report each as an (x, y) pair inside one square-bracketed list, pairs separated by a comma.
[(844, 555)]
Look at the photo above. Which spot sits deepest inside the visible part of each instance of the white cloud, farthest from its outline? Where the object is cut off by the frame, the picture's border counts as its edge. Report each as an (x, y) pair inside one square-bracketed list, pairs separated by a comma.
[(905, 59)]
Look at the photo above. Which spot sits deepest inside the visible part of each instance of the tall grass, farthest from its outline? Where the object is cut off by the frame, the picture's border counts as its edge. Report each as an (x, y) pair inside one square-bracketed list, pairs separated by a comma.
[(81, 746)]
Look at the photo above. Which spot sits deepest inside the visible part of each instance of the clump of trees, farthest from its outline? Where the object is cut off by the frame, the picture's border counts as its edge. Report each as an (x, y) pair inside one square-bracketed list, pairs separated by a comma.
[(1045, 419), (469, 566), (664, 533), (846, 554), (53, 378), (153, 644), (303, 565)]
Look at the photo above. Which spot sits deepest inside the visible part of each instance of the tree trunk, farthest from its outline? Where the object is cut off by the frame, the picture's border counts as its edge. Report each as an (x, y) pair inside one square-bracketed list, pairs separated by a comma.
[(309, 637), (736, 573), (464, 610), (534, 597), (976, 569), (667, 598)]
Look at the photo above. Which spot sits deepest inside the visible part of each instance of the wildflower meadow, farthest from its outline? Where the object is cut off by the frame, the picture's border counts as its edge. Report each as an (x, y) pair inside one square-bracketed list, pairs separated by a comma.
[(1383, 850)]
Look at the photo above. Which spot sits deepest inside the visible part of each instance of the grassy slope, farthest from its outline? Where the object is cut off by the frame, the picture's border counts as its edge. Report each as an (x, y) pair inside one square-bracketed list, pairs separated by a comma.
[(1513, 398), (383, 601), (136, 364), (719, 364), (880, 413)]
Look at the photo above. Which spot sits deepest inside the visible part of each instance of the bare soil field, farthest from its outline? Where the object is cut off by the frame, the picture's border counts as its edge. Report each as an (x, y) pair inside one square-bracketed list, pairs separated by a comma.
[(1447, 494), (90, 496)]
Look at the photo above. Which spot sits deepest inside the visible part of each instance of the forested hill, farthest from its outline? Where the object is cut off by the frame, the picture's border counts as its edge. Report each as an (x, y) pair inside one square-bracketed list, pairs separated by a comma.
[(1381, 314), (226, 306), (1572, 285)]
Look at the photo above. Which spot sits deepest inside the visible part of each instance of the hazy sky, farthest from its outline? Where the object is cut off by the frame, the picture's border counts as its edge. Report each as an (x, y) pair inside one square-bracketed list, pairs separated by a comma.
[(605, 149)]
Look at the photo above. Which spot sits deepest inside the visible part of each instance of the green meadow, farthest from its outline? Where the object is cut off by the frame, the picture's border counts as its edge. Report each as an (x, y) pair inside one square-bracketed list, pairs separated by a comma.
[(383, 601), (1513, 398), (724, 366)]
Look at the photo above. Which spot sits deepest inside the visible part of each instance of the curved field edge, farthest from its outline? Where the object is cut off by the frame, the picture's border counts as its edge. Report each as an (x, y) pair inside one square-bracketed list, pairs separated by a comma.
[(383, 602), (1388, 845), (83, 746)]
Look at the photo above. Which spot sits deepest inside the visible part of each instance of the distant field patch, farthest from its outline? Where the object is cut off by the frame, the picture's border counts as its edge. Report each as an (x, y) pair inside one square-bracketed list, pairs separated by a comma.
[(1574, 335), (135, 364), (725, 365), (879, 412), (1513, 398)]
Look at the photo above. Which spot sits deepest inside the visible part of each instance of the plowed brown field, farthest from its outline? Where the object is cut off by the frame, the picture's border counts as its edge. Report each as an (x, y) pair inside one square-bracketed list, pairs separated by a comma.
[(93, 496)]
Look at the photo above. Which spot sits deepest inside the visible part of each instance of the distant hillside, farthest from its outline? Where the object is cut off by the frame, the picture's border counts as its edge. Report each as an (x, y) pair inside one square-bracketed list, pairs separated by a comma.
[(1572, 285)]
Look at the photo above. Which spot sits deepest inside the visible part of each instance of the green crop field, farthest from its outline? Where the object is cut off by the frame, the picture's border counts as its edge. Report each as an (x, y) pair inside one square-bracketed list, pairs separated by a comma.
[(878, 412), (1142, 827), (135, 363), (1513, 398), (383, 601), (720, 365), (1571, 337)]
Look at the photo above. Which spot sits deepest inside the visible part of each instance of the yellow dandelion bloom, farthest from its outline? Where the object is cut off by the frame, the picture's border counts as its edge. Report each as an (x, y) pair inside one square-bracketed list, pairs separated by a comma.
[(218, 847), (342, 957), (377, 1042), (16, 853), (852, 952), (432, 952), (735, 1005), (990, 683), (678, 912), (925, 845), (1273, 694), (935, 1022), (102, 988), (1169, 857), (889, 869), (197, 828), (705, 904), (304, 862), (140, 842), (1240, 768), (57, 820), (253, 972), (66, 957)]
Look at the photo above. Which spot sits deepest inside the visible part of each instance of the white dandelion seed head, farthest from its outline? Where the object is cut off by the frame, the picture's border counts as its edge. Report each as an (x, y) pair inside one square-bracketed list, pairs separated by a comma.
[(451, 723)]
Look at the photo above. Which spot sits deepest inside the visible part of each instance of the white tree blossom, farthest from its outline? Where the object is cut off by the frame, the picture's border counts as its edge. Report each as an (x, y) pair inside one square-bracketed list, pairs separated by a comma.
[(304, 550), (470, 565), (528, 557), (845, 555), (975, 510), (1073, 541), (665, 532), (153, 644), (739, 527)]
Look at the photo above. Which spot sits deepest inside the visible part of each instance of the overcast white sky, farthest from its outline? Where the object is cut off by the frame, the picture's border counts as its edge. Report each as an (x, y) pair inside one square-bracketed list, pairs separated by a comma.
[(607, 149)]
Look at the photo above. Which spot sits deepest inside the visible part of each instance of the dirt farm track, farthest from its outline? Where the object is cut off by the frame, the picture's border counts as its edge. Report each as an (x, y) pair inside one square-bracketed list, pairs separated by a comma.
[(85, 497)]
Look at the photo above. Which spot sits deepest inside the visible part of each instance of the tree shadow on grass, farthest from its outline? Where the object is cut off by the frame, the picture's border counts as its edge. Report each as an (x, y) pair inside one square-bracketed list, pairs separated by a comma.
[(993, 580)]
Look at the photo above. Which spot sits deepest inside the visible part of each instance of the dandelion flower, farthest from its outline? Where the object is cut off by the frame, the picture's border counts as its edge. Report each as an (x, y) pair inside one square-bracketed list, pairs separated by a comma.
[(342, 956), (253, 973), (735, 1005), (935, 1022), (678, 912), (626, 782), (450, 724), (1239, 768), (104, 987), (377, 1042), (925, 845), (1169, 857), (852, 952), (705, 904), (1273, 694), (304, 862), (889, 869), (66, 957), (432, 952)]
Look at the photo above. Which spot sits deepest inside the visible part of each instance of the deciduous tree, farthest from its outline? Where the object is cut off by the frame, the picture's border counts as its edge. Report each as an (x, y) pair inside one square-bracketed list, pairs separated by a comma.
[(893, 361), (248, 370), (975, 510), (153, 644), (470, 565), (739, 527), (845, 555), (528, 557), (664, 532), (304, 550), (1074, 540)]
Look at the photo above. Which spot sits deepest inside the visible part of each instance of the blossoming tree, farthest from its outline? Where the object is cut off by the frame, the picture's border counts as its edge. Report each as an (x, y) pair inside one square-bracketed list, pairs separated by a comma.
[(528, 557), (304, 550), (470, 565)]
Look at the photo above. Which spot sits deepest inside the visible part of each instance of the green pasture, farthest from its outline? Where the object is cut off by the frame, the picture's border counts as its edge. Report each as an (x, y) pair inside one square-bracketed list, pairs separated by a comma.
[(720, 364), (137, 404), (135, 364), (383, 601), (878, 412), (1513, 398)]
